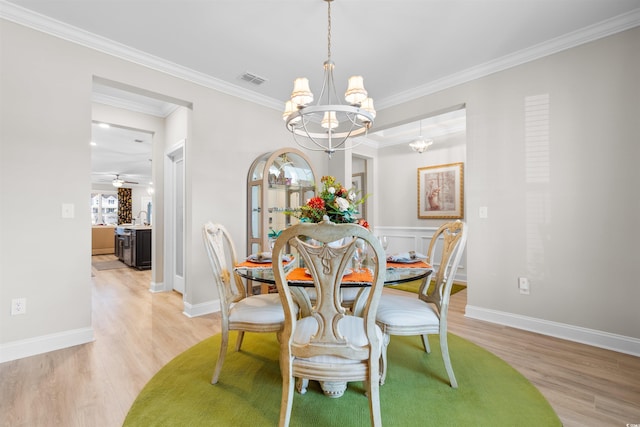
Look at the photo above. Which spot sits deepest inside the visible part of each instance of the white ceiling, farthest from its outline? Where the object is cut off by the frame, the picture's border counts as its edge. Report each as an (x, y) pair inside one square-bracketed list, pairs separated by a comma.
[(121, 152), (403, 48)]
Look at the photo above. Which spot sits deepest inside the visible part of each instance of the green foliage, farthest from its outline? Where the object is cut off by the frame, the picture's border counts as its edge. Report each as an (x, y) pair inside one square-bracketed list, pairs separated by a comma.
[(333, 200)]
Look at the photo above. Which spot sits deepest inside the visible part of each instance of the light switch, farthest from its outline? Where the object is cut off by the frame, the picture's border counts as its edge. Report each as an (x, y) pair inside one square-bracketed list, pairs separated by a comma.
[(68, 210), (483, 212)]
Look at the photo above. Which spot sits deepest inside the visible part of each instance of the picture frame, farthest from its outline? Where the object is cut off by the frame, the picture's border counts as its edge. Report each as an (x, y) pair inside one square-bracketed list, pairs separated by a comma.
[(441, 191), (358, 183)]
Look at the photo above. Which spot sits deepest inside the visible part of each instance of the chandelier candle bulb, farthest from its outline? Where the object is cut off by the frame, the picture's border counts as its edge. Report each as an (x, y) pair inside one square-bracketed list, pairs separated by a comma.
[(330, 121), (356, 92), (301, 94), (367, 105), (289, 108)]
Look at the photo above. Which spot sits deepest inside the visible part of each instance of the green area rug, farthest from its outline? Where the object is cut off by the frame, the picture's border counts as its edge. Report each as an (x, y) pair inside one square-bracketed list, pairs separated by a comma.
[(415, 285), (416, 392)]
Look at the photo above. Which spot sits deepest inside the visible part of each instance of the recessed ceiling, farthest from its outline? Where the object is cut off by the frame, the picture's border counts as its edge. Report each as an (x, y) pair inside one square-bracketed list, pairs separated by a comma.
[(120, 151), (434, 128)]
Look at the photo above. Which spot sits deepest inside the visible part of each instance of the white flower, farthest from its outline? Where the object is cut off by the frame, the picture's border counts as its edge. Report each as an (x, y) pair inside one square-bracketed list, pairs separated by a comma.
[(343, 204), (331, 190), (352, 196)]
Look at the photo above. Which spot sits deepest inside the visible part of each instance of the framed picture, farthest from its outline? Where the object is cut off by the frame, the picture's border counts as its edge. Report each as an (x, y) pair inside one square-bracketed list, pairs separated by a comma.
[(441, 192), (359, 184)]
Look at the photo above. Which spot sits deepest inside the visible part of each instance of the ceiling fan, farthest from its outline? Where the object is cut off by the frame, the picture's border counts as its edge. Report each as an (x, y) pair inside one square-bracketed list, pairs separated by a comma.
[(117, 182)]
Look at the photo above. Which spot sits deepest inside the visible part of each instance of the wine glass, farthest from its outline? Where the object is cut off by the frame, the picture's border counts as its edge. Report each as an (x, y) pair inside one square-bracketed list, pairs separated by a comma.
[(384, 241), (359, 255)]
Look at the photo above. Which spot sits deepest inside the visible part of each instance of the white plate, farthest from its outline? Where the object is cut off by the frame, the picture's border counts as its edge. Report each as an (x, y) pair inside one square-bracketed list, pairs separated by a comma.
[(254, 258), (411, 261), (259, 261)]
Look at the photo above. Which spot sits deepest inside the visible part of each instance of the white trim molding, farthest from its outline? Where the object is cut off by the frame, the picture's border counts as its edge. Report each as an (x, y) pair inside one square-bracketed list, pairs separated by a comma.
[(195, 310), (156, 287), (607, 340), (584, 35), (43, 344)]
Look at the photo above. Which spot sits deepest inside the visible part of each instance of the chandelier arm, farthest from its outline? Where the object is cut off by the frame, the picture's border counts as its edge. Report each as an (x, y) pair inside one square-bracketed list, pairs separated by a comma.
[(322, 147), (310, 136), (302, 144)]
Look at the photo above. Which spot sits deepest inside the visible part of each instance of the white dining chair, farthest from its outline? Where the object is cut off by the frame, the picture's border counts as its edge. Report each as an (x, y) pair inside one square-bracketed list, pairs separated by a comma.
[(329, 345), (426, 313), (239, 311)]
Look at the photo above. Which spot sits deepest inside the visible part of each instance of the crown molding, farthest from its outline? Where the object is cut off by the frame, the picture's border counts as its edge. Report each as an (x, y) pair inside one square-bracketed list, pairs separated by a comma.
[(36, 21), (584, 35), (17, 14), (160, 111)]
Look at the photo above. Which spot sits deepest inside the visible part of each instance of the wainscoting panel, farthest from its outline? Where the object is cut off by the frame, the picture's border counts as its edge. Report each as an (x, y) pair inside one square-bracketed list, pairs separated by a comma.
[(404, 239)]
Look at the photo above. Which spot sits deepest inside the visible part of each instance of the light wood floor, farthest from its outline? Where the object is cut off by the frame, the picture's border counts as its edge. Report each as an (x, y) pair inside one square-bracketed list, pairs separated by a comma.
[(138, 332)]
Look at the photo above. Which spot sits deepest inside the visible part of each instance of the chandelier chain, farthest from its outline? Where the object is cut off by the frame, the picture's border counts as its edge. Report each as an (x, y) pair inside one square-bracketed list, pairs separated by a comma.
[(329, 31)]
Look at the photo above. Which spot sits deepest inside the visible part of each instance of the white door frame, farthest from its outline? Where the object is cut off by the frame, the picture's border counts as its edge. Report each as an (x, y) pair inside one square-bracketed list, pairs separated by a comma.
[(174, 238)]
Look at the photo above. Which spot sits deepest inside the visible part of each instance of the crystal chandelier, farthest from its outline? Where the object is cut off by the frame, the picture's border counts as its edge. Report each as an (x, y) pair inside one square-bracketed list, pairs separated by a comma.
[(327, 125), (420, 144)]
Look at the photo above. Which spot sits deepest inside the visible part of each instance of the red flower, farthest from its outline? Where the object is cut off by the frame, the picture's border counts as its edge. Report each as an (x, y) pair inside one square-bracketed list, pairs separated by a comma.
[(364, 223), (316, 203)]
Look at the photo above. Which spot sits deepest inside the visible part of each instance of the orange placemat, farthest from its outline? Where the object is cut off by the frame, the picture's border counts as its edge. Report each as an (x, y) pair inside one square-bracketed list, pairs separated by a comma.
[(299, 275), (419, 264), (269, 265)]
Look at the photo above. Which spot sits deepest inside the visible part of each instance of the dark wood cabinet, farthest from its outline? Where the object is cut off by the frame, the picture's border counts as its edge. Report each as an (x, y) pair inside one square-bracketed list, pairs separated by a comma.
[(141, 248)]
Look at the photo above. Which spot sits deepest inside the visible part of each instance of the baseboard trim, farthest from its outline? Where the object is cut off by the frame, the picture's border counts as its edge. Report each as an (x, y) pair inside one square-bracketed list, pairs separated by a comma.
[(43, 344), (157, 287), (195, 310), (606, 340)]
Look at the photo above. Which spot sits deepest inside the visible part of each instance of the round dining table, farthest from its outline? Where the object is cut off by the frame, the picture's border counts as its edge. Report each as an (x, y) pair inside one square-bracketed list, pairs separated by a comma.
[(396, 274)]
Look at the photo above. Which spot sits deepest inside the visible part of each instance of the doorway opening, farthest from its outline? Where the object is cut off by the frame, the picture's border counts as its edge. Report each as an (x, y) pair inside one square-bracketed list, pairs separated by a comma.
[(131, 109)]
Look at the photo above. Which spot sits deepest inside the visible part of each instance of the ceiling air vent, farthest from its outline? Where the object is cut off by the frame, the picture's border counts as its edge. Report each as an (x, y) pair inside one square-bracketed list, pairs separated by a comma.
[(252, 78)]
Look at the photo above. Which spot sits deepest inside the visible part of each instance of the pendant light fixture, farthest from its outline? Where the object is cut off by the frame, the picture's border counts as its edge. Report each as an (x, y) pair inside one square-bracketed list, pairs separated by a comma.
[(420, 144), (117, 182), (327, 125)]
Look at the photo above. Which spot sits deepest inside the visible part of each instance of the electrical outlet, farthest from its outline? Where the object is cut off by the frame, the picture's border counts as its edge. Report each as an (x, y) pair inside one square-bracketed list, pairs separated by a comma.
[(18, 306), (523, 285)]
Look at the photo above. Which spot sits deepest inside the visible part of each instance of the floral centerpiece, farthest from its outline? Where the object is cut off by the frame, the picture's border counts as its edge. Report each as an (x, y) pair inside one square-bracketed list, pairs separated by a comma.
[(333, 200)]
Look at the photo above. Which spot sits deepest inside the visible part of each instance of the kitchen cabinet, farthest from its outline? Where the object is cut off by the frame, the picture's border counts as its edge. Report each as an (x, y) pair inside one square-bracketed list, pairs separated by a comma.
[(141, 248), (133, 246), (277, 182)]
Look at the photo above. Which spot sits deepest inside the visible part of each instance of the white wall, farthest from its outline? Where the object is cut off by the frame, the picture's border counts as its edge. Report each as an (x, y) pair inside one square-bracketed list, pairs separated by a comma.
[(46, 113), (573, 232)]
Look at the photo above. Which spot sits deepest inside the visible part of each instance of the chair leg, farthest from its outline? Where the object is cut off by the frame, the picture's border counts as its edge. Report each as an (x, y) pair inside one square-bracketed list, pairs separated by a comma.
[(223, 351), (239, 340), (425, 343), (287, 397), (373, 392), (444, 346), (383, 358), (302, 384)]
